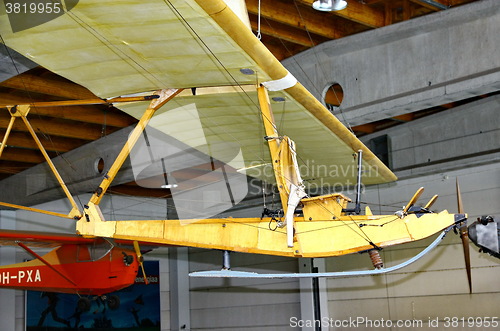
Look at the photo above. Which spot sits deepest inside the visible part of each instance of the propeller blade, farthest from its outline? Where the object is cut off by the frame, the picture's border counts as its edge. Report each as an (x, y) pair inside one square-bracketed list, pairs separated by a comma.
[(431, 202), (140, 258), (459, 199), (464, 235), (413, 200)]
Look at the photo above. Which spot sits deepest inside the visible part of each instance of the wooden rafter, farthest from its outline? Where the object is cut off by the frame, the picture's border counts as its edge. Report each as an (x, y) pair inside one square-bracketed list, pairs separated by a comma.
[(22, 155), (359, 13), (88, 114), (59, 127), (286, 13), (37, 84), (56, 144), (282, 32), (429, 5)]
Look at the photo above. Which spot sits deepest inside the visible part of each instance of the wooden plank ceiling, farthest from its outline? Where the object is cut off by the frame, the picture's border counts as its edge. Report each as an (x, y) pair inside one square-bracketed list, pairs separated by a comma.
[(287, 27)]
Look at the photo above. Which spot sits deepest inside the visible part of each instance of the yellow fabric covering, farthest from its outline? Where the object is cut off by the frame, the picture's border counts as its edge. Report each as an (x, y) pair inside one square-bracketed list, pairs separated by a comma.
[(121, 47)]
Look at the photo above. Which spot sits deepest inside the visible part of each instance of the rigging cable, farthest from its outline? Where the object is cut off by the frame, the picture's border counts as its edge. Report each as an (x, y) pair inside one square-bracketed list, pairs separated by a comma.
[(199, 38), (362, 234), (259, 35), (321, 72)]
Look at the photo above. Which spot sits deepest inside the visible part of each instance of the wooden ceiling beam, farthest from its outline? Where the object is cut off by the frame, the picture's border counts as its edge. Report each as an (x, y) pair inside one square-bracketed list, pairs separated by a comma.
[(6, 98), (358, 12), (429, 5), (406, 10), (282, 50), (458, 2), (298, 37), (22, 155), (37, 84), (404, 117), (56, 127), (8, 168), (286, 13), (365, 128), (88, 114), (54, 144), (133, 189)]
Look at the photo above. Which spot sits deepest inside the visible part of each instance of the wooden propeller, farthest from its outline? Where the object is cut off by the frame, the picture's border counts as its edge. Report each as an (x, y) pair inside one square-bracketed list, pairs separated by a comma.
[(464, 235), (413, 200), (431, 202)]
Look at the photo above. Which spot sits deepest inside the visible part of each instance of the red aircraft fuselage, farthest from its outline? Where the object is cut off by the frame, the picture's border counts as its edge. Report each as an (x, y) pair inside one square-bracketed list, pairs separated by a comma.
[(74, 268)]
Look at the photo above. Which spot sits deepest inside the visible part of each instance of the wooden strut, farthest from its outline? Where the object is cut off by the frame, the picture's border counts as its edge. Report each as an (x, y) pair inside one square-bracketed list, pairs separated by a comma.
[(283, 157), (36, 210), (7, 133), (51, 165), (84, 102), (22, 111), (273, 140), (163, 97)]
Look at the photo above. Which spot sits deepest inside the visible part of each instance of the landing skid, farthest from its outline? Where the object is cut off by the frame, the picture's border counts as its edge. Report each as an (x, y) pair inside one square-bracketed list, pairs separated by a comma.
[(227, 273)]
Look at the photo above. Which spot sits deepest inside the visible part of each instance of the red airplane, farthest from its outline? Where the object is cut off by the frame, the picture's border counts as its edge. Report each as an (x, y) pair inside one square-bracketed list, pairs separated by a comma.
[(85, 266)]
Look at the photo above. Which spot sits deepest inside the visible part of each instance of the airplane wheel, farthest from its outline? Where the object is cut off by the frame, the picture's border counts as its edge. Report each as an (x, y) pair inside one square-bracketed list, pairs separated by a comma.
[(84, 304), (113, 302)]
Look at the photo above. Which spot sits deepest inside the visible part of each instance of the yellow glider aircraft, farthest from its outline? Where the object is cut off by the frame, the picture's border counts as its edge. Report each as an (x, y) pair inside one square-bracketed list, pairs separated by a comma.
[(219, 91)]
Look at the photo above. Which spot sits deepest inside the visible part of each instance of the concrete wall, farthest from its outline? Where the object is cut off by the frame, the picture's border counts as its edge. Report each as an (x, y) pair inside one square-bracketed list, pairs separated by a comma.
[(435, 286), (237, 304), (459, 137), (431, 152), (427, 61)]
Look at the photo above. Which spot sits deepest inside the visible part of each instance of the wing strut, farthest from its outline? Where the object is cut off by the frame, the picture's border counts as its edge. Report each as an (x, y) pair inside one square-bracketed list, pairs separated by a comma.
[(284, 160), (22, 112), (164, 97), (35, 255), (140, 258)]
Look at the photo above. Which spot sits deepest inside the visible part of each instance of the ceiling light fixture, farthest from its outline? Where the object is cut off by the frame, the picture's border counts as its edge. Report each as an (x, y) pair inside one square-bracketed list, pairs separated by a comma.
[(170, 181), (169, 186), (329, 5)]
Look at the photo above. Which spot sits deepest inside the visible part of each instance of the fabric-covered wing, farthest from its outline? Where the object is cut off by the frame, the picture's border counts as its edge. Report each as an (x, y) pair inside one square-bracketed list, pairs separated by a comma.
[(123, 47)]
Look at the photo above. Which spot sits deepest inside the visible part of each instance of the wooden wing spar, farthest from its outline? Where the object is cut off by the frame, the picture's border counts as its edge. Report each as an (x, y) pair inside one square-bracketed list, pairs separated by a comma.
[(226, 89)]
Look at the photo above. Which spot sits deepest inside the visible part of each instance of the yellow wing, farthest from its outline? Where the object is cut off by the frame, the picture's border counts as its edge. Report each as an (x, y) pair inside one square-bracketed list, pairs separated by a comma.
[(118, 48)]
